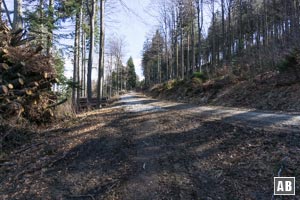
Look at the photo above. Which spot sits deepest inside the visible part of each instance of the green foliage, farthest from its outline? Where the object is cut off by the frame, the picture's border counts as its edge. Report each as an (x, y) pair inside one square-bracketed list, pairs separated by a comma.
[(131, 74), (59, 66), (290, 62), (283, 65), (200, 76)]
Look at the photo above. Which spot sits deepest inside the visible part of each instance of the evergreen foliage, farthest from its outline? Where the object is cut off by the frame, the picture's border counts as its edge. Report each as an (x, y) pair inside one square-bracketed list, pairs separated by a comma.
[(131, 74)]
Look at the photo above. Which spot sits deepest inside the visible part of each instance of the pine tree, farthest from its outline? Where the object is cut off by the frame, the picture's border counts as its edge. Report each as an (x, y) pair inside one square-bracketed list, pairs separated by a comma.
[(131, 74)]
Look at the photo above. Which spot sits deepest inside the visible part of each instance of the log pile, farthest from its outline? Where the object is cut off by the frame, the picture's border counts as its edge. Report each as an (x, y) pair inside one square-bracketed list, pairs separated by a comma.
[(26, 78)]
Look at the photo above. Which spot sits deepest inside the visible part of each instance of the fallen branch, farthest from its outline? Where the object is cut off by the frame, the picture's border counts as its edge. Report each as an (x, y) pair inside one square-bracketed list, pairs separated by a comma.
[(58, 103)]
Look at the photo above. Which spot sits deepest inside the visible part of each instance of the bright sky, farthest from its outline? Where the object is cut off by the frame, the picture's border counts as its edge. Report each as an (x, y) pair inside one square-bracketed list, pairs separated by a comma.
[(133, 26)]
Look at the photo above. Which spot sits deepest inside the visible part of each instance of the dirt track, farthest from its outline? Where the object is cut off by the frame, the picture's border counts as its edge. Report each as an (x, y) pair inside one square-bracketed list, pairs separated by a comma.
[(143, 148), (257, 119)]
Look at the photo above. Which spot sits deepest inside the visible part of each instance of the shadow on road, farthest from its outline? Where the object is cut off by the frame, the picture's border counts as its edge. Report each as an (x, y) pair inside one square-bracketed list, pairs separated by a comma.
[(208, 159)]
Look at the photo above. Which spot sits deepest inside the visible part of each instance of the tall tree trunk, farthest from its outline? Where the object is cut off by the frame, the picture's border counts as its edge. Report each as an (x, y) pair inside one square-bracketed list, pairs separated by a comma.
[(1, 11), (213, 53), (50, 29), (118, 76), (78, 33), (223, 31), (240, 28), (193, 48), (188, 64), (181, 43), (158, 67), (76, 67), (17, 22), (7, 13), (181, 51), (83, 63), (166, 55), (200, 25), (91, 48), (42, 23), (229, 34), (101, 55), (111, 78)]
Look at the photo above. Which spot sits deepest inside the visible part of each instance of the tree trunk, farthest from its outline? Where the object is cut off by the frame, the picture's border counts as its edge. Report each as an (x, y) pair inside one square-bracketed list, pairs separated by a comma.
[(213, 53), (76, 67), (83, 63), (200, 23), (188, 65), (181, 50), (229, 34), (223, 31), (17, 22), (78, 52), (193, 48), (1, 11), (91, 49), (101, 55), (50, 29), (7, 13)]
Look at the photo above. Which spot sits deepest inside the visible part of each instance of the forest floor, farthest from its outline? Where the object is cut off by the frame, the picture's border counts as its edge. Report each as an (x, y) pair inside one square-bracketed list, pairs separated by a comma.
[(271, 91), (143, 148)]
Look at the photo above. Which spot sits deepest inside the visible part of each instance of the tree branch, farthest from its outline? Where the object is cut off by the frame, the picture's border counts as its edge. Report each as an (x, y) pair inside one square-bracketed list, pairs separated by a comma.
[(7, 13), (58, 103)]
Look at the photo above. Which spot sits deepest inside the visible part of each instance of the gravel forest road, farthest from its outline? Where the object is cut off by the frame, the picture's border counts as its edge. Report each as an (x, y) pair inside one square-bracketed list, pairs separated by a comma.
[(143, 148), (136, 102)]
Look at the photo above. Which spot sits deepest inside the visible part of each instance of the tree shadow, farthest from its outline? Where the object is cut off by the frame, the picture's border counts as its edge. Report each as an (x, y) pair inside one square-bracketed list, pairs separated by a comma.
[(213, 160)]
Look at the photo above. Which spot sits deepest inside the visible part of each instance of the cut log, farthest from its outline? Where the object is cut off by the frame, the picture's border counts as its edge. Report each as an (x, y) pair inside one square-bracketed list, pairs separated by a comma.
[(17, 83), (33, 84), (3, 67), (26, 77), (12, 109), (45, 75), (23, 92), (3, 51), (3, 89), (55, 80), (10, 86), (11, 75), (18, 67)]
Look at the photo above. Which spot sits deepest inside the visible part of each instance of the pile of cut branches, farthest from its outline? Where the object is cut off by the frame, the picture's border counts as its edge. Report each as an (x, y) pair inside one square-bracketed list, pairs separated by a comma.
[(26, 78)]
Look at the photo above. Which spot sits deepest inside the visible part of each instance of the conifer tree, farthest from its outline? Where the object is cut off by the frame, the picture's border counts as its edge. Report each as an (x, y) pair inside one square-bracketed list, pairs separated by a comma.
[(131, 74)]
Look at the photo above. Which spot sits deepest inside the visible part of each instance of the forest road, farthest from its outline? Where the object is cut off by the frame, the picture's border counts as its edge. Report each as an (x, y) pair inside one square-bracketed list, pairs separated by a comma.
[(143, 148), (136, 102), (166, 135)]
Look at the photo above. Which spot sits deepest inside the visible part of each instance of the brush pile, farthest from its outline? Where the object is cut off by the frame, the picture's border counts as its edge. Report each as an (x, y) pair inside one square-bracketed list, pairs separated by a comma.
[(26, 78)]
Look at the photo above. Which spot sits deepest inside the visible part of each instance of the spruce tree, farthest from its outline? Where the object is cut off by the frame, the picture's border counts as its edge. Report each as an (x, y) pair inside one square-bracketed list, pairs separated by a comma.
[(131, 74)]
